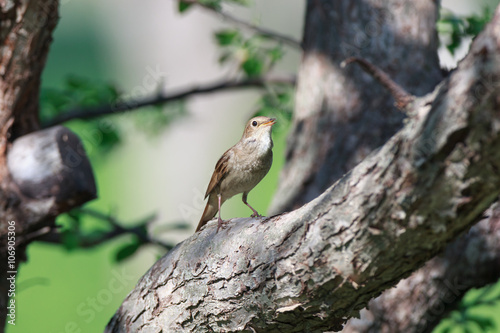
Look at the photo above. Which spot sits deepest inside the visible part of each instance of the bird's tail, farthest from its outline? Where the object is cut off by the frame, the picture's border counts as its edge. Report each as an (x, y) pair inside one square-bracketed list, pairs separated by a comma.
[(210, 210)]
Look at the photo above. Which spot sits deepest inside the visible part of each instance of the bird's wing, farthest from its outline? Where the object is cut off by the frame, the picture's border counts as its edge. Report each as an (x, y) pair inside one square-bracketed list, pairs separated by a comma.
[(221, 170)]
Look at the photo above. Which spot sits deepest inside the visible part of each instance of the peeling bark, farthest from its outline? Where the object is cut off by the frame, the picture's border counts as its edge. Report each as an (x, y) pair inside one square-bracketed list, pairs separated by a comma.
[(317, 266)]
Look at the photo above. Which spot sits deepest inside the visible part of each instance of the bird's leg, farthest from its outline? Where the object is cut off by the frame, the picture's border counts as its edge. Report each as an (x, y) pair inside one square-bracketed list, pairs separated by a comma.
[(220, 221), (255, 213)]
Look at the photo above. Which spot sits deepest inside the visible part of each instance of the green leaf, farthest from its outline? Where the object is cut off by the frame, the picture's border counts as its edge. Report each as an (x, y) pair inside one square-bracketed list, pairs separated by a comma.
[(76, 215), (227, 37), (70, 239), (127, 250), (214, 4), (456, 40), (454, 28), (475, 23), (110, 139), (240, 2), (446, 330), (253, 66), (276, 53), (484, 323), (183, 6)]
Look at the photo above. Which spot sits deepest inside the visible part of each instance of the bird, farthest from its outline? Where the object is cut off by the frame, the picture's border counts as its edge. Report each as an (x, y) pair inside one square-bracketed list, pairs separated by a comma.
[(240, 168)]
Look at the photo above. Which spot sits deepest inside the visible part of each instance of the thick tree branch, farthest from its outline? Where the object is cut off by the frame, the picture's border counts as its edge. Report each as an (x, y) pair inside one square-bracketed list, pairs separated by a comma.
[(315, 267), (163, 97), (472, 261)]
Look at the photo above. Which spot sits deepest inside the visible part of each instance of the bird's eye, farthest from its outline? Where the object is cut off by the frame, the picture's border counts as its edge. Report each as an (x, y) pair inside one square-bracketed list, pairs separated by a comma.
[(254, 123)]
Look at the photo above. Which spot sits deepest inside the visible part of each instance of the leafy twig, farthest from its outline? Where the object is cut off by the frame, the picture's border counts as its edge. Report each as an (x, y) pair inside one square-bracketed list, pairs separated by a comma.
[(56, 237), (261, 31), (161, 98)]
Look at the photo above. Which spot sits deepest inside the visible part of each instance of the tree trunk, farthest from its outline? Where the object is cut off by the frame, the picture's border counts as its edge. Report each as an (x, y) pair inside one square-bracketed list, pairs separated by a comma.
[(342, 115), (42, 173), (317, 266)]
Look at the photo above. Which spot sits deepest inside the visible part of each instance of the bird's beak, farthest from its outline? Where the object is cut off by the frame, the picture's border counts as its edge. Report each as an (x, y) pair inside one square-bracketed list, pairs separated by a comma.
[(269, 123)]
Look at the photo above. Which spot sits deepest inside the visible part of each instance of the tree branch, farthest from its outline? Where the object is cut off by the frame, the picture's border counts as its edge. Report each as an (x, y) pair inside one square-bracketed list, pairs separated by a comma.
[(261, 31), (315, 267), (434, 290), (402, 97), (118, 229), (162, 97)]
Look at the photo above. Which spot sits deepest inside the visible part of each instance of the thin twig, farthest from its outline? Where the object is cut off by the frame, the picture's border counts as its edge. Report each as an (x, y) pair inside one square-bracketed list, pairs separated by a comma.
[(161, 98), (402, 97), (262, 31)]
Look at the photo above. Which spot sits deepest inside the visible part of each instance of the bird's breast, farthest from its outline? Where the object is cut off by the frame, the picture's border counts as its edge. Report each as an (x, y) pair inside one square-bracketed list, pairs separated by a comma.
[(246, 172)]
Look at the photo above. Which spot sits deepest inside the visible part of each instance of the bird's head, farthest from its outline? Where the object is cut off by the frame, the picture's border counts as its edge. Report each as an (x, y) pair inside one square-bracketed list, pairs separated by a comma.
[(259, 128)]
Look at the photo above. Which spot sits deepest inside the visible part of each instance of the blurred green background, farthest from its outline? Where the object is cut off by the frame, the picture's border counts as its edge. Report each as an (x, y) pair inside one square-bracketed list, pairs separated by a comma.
[(73, 290)]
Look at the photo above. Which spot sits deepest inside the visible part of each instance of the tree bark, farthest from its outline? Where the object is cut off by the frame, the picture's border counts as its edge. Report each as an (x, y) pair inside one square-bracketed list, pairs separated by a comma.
[(472, 261), (341, 115), (356, 116), (317, 266), (42, 173)]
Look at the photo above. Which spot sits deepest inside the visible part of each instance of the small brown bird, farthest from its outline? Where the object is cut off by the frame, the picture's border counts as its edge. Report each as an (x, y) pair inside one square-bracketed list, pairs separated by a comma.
[(240, 168)]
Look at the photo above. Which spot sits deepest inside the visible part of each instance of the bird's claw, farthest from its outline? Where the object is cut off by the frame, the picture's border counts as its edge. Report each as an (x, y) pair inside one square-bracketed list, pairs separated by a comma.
[(220, 224)]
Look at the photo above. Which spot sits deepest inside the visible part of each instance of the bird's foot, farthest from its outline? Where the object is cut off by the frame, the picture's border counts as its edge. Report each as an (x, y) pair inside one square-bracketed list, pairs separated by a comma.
[(255, 214), (220, 224)]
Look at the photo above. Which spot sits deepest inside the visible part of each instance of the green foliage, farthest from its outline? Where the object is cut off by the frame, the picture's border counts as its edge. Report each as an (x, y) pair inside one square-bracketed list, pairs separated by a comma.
[(469, 315), (71, 230), (276, 53), (81, 93), (128, 249), (183, 6), (454, 28), (78, 228), (77, 92), (278, 102), (214, 4), (154, 119), (100, 135), (255, 55), (228, 37), (83, 227), (253, 66)]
